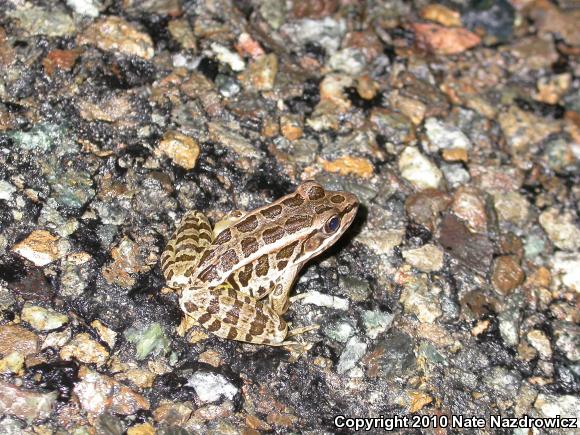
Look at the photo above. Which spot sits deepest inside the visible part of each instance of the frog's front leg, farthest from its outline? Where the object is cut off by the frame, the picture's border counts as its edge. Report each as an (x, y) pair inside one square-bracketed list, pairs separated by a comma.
[(185, 247), (231, 314), (278, 296)]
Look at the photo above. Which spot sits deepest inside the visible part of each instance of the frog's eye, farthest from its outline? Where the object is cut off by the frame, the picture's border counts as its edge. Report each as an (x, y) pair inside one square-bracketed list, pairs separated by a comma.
[(332, 224)]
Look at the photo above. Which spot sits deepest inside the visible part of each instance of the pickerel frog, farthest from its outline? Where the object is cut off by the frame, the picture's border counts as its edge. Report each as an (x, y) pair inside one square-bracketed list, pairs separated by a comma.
[(235, 283)]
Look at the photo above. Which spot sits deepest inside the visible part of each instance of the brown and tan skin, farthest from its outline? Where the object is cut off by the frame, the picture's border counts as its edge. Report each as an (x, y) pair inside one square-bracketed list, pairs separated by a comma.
[(224, 281)]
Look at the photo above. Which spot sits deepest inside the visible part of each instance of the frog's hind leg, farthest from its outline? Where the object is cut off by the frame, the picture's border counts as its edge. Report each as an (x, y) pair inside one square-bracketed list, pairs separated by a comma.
[(179, 260), (231, 314)]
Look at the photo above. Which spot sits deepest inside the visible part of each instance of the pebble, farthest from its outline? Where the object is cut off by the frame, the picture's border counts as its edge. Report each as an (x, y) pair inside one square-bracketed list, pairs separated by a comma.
[(229, 57), (376, 322), (141, 429), (417, 297), (504, 382), (127, 261), (71, 188), (84, 349), (443, 40), (561, 229), (495, 20), (43, 319), (382, 242), (149, 340), (419, 170), (327, 32), (40, 138), (24, 404), (512, 207), (496, 179), (469, 205), (455, 155), (211, 357), (392, 125), (412, 108), (6, 298), (350, 61), (507, 274), (444, 136), (15, 338), (249, 46), (348, 165), (441, 14), (181, 31), (567, 265), (332, 90), (116, 109), (425, 207), (367, 41), (455, 174), (523, 129), (260, 74), (51, 218), (173, 413), (567, 336), (323, 300), (551, 89), (63, 60), (427, 258), (356, 289), (40, 247), (3, 244), (11, 426), (291, 126), (75, 273), (117, 35), (550, 20), (39, 21), (139, 377), (392, 356), (274, 12), (541, 343), (509, 326), (231, 139), (314, 9), (6, 190), (98, 393), (535, 53), (12, 363), (181, 149), (353, 351), (472, 250), (107, 335), (211, 387), (57, 339), (88, 8), (562, 156), (558, 406), (339, 331)]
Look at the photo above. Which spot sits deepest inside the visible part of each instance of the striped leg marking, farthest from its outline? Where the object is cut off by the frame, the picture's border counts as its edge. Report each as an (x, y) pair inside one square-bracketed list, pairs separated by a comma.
[(231, 314), (181, 256)]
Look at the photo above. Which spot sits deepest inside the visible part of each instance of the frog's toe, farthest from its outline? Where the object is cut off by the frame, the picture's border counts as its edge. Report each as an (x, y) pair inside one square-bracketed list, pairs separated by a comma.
[(303, 330)]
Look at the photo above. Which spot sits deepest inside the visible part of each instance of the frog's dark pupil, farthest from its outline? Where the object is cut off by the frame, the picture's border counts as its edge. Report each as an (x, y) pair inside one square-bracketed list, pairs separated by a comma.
[(333, 224)]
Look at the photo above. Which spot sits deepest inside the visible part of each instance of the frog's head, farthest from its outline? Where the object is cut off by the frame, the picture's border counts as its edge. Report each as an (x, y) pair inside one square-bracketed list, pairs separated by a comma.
[(332, 213)]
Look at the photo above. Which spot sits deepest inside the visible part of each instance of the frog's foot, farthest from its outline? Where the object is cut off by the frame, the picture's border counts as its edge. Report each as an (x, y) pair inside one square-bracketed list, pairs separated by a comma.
[(300, 347), (297, 297), (302, 330), (297, 350)]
